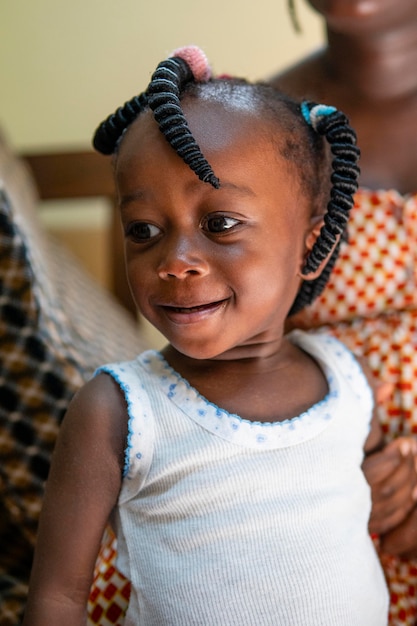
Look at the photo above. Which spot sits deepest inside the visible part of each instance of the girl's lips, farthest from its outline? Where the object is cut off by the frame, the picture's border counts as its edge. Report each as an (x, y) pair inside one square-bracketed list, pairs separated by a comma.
[(187, 315)]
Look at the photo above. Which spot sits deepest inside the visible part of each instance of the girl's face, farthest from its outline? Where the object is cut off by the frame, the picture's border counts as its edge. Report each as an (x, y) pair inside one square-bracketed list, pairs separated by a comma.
[(214, 270)]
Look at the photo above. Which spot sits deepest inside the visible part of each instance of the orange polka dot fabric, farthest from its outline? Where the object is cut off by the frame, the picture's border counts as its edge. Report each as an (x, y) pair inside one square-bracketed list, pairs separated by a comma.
[(370, 303)]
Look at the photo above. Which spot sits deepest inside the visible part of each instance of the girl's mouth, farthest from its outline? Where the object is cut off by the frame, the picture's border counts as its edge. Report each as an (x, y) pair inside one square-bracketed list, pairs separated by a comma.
[(180, 314), (193, 309)]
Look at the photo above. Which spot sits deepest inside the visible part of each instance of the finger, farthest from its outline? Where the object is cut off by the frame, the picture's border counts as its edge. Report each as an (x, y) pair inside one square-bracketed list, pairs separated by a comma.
[(393, 500), (385, 518), (386, 523), (402, 540), (383, 392), (403, 477), (399, 487), (379, 466)]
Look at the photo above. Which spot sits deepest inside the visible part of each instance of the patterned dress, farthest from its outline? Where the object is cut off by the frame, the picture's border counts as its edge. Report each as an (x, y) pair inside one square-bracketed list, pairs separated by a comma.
[(370, 303)]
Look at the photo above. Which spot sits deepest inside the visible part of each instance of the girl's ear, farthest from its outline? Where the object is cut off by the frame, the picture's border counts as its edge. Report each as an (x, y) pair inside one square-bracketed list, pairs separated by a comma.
[(311, 238)]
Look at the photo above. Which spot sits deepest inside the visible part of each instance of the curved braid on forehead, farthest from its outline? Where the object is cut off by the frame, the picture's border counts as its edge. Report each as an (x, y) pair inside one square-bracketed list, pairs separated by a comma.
[(163, 93), (332, 124), (107, 135)]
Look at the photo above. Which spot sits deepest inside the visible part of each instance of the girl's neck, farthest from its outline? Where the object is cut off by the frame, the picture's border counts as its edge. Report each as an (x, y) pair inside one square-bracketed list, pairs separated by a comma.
[(378, 67), (266, 388)]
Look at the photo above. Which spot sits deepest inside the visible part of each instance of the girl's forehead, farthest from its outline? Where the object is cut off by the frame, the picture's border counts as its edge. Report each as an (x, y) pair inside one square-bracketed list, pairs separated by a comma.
[(228, 136), (217, 125), (237, 145), (242, 98), (213, 125)]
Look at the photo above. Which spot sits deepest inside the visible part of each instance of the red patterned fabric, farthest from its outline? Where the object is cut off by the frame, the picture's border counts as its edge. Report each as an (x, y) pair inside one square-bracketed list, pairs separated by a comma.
[(110, 591), (370, 303)]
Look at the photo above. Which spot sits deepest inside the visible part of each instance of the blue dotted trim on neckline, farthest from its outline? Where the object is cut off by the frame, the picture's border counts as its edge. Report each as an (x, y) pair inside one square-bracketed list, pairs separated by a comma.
[(232, 427)]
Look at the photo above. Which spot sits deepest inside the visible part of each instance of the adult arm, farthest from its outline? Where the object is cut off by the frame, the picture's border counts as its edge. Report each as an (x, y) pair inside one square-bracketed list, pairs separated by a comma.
[(402, 540), (391, 473), (81, 491)]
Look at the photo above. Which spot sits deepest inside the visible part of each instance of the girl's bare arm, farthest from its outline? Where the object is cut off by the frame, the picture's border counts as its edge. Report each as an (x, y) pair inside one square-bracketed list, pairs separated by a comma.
[(81, 491)]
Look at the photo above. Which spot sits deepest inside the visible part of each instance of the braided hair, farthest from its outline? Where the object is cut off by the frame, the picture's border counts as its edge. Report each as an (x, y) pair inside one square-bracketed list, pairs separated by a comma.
[(302, 126), (333, 125), (163, 97)]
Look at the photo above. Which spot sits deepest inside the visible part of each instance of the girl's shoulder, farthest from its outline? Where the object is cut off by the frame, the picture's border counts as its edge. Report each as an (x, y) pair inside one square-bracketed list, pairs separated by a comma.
[(99, 395), (136, 384), (97, 412)]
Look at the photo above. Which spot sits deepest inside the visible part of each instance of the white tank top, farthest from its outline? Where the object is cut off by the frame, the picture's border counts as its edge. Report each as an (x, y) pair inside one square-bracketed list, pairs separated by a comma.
[(222, 521)]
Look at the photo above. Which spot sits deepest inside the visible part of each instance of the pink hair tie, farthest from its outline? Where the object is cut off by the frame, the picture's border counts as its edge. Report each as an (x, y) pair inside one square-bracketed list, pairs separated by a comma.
[(196, 60)]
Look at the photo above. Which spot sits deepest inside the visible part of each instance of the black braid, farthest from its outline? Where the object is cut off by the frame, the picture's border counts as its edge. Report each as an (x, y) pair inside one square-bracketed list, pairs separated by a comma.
[(344, 178), (108, 134), (163, 93), (163, 98)]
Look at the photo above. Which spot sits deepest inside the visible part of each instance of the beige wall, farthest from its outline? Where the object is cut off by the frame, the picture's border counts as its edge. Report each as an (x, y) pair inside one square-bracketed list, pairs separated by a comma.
[(66, 64)]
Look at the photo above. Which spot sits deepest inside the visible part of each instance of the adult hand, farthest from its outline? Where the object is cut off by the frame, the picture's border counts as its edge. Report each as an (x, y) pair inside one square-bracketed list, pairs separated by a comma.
[(392, 475), (402, 540)]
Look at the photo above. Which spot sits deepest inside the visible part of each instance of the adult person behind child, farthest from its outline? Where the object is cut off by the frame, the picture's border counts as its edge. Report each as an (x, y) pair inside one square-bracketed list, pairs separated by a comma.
[(368, 69)]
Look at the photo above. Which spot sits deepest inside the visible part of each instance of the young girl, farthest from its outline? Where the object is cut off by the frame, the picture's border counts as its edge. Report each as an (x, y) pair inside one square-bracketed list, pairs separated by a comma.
[(229, 463)]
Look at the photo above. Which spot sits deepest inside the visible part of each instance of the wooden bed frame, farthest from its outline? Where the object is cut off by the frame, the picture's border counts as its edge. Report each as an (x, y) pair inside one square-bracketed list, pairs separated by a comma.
[(84, 174)]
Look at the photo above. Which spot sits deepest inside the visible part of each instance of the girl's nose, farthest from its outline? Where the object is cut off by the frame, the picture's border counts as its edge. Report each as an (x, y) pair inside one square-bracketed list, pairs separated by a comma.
[(181, 259)]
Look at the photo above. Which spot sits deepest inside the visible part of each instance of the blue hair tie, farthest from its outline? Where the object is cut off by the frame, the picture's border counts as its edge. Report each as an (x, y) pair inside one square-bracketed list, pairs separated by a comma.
[(313, 115)]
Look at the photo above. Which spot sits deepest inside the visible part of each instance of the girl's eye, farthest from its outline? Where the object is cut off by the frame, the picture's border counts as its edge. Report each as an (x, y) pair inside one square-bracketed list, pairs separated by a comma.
[(142, 232), (219, 223)]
